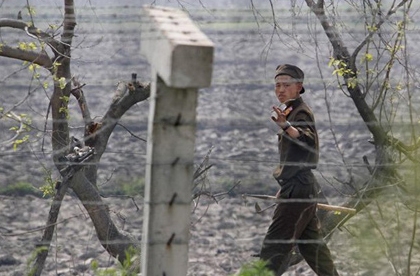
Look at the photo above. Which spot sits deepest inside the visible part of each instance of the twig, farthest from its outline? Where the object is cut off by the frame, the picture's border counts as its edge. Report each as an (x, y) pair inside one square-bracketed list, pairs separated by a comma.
[(52, 219), (13, 116), (49, 228), (131, 133)]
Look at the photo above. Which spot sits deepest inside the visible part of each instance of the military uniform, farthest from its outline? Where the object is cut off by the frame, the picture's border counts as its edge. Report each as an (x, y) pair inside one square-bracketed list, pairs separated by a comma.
[(295, 221)]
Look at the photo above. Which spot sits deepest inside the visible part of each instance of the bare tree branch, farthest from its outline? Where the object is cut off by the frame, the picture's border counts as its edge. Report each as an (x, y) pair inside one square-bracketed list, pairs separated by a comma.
[(69, 22), (97, 134), (42, 59), (341, 53), (32, 32), (44, 245), (375, 29), (125, 97), (59, 99), (77, 92), (29, 29), (113, 240), (18, 119)]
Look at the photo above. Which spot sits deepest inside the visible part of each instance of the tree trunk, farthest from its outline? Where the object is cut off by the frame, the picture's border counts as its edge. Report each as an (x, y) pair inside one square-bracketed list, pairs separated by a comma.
[(113, 240)]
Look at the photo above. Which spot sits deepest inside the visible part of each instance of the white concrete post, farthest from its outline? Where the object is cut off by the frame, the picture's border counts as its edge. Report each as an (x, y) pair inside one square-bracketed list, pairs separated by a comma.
[(181, 57)]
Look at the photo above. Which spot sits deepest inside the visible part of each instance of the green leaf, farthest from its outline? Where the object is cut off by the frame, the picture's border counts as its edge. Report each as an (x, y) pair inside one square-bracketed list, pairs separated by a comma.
[(62, 82), (256, 268), (22, 46)]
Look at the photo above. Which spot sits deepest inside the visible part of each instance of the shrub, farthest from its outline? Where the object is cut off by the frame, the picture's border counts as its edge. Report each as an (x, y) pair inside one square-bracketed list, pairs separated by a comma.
[(20, 189), (255, 268)]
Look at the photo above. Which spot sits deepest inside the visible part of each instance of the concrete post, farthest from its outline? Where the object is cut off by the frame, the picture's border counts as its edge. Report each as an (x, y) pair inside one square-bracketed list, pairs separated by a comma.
[(181, 57)]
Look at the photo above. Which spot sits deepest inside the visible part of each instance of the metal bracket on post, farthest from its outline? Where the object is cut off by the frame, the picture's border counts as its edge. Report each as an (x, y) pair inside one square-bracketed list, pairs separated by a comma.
[(181, 57)]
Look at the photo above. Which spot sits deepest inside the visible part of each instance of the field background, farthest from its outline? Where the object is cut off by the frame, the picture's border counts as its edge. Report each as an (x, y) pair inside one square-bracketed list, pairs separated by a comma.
[(233, 122)]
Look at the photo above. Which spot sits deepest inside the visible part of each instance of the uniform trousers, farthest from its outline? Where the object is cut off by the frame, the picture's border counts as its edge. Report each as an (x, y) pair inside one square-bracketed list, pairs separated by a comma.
[(295, 223)]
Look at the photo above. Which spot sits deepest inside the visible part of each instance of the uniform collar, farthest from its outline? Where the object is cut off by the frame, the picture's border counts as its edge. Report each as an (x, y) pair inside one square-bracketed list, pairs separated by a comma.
[(295, 102)]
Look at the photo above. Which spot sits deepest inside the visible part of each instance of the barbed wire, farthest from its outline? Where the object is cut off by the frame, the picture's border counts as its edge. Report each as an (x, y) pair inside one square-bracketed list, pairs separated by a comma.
[(237, 241)]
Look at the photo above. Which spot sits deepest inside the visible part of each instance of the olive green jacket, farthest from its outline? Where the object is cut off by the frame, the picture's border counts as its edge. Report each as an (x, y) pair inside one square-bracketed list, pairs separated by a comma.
[(302, 153)]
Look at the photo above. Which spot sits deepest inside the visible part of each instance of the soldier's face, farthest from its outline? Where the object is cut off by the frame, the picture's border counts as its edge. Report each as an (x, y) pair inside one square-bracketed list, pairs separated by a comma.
[(287, 88)]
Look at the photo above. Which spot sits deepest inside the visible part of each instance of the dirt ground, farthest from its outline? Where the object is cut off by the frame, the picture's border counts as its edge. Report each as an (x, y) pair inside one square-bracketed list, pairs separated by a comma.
[(224, 235)]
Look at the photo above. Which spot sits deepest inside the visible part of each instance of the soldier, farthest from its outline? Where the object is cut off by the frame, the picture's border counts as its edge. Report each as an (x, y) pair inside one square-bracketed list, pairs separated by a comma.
[(295, 220)]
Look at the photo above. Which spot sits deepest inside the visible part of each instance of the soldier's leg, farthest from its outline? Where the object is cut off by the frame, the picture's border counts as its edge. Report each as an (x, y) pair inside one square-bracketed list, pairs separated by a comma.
[(315, 251), (289, 220), (276, 244)]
